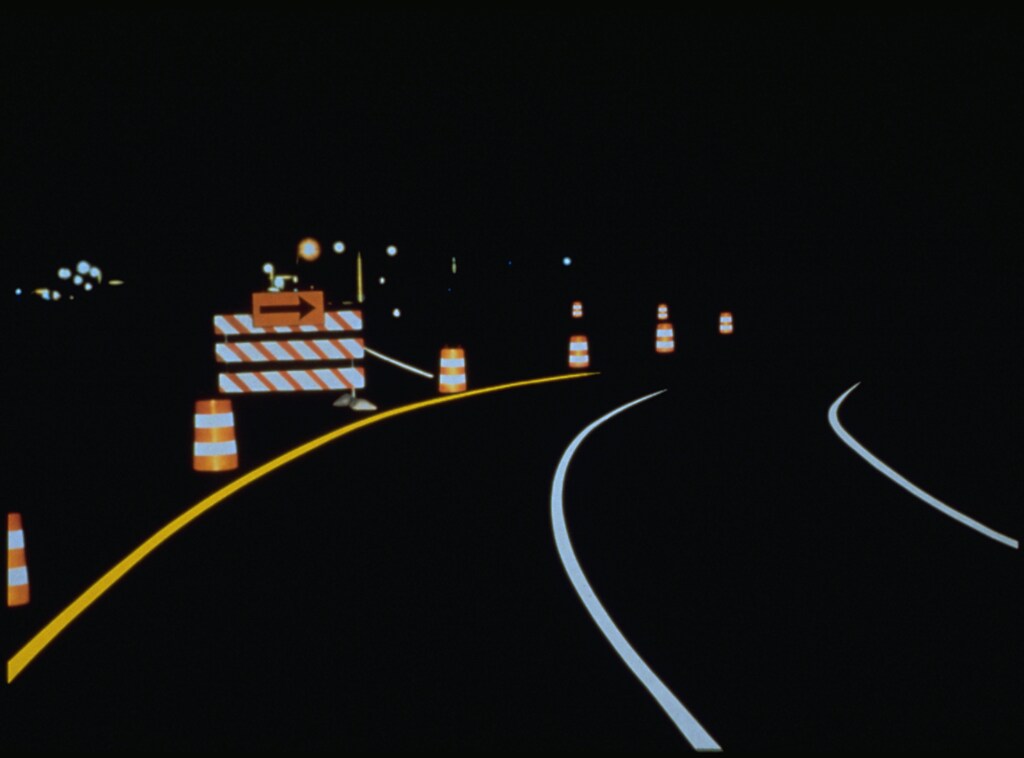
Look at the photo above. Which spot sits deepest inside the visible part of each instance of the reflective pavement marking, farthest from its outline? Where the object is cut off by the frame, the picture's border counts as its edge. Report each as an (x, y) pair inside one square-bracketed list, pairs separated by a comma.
[(833, 419), (46, 635), (684, 721), (398, 363)]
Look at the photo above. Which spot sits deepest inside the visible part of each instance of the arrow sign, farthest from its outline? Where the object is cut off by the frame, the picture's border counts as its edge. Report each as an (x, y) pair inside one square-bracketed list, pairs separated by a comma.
[(288, 308)]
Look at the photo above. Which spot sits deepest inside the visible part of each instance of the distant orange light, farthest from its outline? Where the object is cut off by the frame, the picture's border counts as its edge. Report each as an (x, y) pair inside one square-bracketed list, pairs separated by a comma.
[(309, 249)]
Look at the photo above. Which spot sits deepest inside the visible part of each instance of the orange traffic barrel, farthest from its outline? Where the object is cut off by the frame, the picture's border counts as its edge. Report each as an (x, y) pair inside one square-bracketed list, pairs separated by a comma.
[(17, 568), (725, 323), (577, 309), (664, 338), (215, 448), (452, 377), (578, 352), (662, 312)]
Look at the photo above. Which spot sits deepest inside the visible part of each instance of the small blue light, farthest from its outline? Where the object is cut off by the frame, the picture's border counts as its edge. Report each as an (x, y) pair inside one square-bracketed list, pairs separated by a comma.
[(567, 261), (18, 291), (510, 262)]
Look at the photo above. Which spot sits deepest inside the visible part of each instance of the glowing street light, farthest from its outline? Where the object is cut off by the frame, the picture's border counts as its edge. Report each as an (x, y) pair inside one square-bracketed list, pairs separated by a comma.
[(83, 267), (396, 313), (339, 247), (64, 273), (567, 261), (392, 251)]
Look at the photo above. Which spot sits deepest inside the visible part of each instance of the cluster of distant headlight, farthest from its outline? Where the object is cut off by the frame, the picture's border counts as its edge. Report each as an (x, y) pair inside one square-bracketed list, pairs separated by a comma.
[(85, 276)]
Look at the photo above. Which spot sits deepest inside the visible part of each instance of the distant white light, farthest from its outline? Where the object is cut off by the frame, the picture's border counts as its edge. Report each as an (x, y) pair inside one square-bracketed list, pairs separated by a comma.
[(268, 268), (114, 283), (95, 272), (56, 295), (567, 261), (64, 273), (339, 247), (382, 280), (449, 289), (83, 267), (392, 251), (17, 291), (279, 282), (510, 262), (396, 313), (78, 279), (88, 286), (44, 293)]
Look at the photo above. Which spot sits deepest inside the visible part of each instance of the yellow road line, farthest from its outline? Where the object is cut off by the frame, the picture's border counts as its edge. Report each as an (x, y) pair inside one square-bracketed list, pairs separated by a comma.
[(46, 635)]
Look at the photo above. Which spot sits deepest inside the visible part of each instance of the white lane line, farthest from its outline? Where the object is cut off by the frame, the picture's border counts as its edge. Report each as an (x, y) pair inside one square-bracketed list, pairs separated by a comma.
[(913, 489), (406, 366), (684, 721)]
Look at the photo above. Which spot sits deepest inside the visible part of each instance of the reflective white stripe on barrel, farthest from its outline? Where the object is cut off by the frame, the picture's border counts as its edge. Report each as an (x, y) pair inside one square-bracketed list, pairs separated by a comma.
[(17, 577), (228, 447), (452, 378), (453, 363), (214, 420), (15, 539)]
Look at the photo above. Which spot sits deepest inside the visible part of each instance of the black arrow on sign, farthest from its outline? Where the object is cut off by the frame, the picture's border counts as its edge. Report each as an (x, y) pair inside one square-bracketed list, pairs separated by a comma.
[(303, 308)]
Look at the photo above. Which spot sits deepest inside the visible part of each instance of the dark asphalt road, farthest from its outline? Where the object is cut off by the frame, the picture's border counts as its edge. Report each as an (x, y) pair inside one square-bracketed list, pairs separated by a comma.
[(399, 589)]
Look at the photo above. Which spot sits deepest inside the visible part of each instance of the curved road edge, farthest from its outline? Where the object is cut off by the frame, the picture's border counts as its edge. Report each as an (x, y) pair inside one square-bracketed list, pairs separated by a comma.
[(695, 734), (21, 659), (913, 489)]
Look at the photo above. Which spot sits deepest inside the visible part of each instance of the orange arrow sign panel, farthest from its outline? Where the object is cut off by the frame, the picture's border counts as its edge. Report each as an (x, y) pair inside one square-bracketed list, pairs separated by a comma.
[(288, 308)]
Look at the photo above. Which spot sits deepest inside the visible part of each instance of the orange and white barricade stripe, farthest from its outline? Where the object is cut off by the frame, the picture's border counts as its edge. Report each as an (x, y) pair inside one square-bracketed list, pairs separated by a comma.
[(215, 448), (579, 357), (577, 309), (664, 339), (452, 376), (662, 312), (725, 323), (17, 568)]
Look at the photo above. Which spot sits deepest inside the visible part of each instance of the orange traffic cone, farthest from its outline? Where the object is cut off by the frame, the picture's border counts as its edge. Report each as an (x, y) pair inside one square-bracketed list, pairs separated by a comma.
[(662, 312), (664, 339), (17, 568), (452, 376), (725, 323), (215, 448), (577, 309), (578, 352)]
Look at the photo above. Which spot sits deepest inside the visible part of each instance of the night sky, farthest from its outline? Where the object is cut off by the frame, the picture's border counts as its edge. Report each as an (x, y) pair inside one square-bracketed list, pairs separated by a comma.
[(860, 170)]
